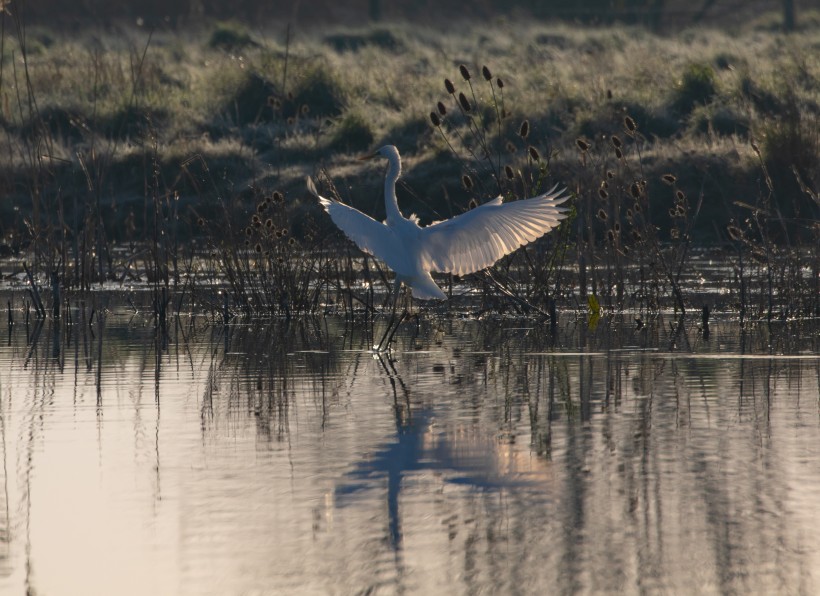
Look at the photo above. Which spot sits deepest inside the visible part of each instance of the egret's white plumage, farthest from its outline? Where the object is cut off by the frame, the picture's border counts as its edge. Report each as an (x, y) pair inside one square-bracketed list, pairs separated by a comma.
[(463, 244)]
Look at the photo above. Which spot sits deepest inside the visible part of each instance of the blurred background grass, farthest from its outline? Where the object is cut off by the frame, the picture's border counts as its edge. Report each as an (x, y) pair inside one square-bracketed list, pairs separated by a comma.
[(110, 107)]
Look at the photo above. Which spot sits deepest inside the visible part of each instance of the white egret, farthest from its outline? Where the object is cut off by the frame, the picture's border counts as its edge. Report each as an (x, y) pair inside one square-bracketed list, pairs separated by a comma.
[(463, 244)]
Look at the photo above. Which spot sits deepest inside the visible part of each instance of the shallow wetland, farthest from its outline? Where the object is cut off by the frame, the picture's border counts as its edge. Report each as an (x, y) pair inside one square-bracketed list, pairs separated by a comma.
[(190, 401), (273, 456)]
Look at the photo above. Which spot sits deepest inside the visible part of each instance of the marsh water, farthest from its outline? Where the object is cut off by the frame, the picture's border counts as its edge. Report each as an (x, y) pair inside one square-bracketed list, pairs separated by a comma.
[(492, 455)]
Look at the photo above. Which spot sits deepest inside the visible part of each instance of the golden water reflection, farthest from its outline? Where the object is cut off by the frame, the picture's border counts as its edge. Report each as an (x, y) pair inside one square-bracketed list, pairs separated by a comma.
[(271, 457)]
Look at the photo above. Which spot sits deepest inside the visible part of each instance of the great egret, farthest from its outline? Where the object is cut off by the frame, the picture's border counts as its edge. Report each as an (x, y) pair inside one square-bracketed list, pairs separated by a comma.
[(463, 244)]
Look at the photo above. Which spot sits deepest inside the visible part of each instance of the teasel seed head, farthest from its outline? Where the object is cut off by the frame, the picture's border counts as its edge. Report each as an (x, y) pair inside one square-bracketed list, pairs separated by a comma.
[(603, 194), (610, 236), (200, 222), (636, 207), (434, 118), (291, 241), (601, 214), (636, 236), (269, 223), (261, 207), (735, 233), (618, 153), (305, 109), (441, 108), (616, 142), (630, 124), (674, 233), (680, 196), (617, 227), (524, 131), (465, 103), (534, 153), (258, 247), (472, 204), (486, 73), (582, 145), (499, 83), (635, 190), (464, 72), (448, 84), (669, 179), (277, 197), (467, 182), (610, 174), (509, 172), (510, 147)]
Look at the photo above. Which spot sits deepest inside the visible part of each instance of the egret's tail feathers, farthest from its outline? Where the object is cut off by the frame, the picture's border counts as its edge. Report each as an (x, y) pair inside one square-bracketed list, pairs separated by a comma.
[(424, 288)]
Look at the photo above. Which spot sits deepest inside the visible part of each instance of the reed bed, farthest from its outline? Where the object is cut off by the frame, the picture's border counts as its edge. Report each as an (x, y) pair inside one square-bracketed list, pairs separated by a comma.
[(152, 159)]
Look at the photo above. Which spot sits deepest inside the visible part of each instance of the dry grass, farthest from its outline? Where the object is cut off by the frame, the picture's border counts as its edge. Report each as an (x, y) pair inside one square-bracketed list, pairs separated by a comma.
[(99, 127)]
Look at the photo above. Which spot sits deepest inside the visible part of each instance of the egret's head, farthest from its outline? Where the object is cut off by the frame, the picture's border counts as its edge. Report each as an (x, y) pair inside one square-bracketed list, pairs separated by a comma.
[(388, 151)]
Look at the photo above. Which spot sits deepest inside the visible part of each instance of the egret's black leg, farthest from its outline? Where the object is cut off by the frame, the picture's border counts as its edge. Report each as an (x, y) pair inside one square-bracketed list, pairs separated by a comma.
[(396, 295)]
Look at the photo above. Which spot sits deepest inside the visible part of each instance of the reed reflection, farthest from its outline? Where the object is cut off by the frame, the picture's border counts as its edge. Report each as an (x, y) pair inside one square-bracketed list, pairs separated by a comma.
[(483, 455)]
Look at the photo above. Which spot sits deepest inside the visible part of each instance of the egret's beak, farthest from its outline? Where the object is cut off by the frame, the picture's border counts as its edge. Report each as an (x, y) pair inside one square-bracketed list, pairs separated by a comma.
[(366, 157)]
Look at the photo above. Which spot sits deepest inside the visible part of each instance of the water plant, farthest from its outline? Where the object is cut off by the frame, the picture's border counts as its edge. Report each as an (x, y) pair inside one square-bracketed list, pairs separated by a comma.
[(111, 164)]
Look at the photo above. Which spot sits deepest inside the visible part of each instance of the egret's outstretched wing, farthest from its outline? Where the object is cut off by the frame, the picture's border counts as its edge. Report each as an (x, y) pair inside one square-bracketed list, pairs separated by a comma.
[(371, 236), (478, 238)]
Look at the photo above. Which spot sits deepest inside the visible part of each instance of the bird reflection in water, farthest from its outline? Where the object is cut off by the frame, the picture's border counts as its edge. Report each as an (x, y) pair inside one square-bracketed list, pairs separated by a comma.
[(463, 456)]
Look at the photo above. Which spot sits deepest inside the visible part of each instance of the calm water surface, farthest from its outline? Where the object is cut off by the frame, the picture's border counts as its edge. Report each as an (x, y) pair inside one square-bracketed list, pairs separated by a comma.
[(489, 456)]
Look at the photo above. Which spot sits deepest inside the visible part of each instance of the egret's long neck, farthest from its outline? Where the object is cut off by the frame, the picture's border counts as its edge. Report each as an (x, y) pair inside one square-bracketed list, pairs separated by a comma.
[(391, 203)]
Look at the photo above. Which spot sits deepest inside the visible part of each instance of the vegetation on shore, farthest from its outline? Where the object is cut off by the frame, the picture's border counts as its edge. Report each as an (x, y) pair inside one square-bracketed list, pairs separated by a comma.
[(173, 142)]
